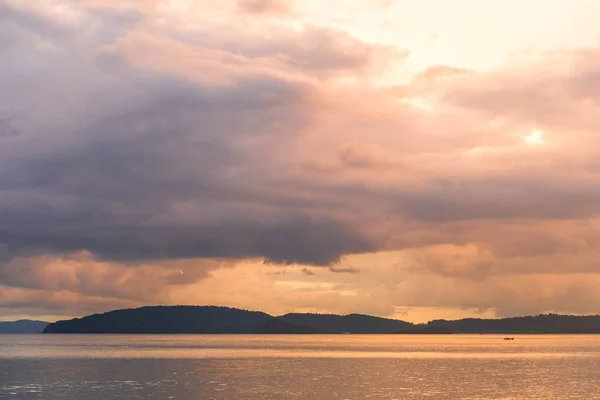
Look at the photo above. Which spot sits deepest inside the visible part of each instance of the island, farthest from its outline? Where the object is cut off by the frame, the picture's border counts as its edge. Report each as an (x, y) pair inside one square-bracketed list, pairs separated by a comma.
[(226, 320)]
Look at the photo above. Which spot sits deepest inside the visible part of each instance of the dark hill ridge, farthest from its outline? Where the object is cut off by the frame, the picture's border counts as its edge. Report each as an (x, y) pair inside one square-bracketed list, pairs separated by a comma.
[(210, 319), (547, 323), (175, 319), (22, 326), (355, 323)]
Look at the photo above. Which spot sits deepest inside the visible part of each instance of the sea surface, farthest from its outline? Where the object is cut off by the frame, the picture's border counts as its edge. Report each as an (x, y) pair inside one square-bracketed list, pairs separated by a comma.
[(404, 367)]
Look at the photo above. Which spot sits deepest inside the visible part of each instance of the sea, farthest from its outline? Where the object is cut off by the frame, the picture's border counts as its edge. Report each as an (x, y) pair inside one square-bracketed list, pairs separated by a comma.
[(314, 367)]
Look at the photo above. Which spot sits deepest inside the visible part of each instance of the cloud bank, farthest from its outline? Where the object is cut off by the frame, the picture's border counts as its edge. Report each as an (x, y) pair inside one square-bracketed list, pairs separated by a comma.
[(273, 164)]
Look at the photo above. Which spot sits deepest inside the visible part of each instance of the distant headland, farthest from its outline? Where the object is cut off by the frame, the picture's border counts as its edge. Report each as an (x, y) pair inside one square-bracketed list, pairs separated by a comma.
[(216, 320), (22, 326)]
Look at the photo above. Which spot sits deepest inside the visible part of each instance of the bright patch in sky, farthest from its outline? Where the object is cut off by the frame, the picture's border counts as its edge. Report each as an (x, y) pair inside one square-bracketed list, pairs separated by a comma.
[(419, 103), (535, 138)]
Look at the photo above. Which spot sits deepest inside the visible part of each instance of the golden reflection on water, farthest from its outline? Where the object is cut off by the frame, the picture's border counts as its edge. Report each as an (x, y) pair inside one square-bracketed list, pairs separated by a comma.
[(315, 367), (299, 346)]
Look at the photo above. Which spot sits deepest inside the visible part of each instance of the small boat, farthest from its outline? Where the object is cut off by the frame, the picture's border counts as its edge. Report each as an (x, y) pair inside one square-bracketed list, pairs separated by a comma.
[(509, 338), (346, 333)]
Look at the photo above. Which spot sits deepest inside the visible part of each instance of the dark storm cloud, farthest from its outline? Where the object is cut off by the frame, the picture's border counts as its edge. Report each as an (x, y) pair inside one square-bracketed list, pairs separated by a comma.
[(136, 148), (289, 241)]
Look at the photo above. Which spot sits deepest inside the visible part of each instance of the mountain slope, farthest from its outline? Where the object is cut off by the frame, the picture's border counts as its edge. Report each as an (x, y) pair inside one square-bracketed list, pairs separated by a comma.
[(22, 326), (546, 323), (355, 323), (177, 319)]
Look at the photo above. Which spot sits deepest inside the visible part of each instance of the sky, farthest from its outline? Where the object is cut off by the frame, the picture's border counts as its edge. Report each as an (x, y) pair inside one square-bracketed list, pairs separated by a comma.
[(412, 159)]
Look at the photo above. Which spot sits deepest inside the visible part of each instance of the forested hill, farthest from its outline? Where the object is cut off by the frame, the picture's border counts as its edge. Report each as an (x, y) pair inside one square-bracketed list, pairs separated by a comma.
[(355, 323), (210, 319), (547, 323), (177, 319)]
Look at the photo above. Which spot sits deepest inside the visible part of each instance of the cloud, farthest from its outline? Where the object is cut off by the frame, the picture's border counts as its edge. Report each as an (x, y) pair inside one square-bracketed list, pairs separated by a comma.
[(146, 153), (155, 170), (82, 273), (366, 155), (344, 270), (266, 7), (508, 295), (307, 271)]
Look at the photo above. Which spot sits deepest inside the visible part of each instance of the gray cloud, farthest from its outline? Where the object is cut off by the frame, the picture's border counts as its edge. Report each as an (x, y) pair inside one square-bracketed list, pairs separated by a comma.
[(529, 197), (13, 17), (266, 7), (316, 51), (345, 270), (149, 166)]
